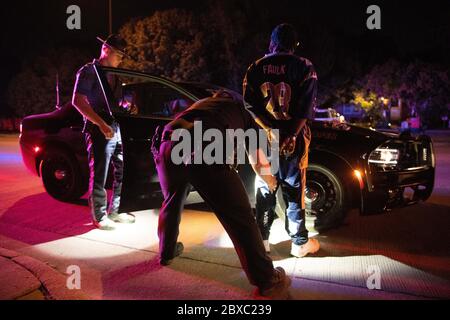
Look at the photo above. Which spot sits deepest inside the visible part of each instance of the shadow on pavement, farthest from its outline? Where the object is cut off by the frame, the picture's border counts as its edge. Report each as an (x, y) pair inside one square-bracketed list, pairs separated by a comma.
[(54, 220)]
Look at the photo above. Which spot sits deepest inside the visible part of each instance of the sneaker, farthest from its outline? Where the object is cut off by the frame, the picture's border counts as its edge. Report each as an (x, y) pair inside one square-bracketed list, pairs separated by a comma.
[(299, 251), (105, 224), (178, 250), (266, 245), (122, 217), (279, 286)]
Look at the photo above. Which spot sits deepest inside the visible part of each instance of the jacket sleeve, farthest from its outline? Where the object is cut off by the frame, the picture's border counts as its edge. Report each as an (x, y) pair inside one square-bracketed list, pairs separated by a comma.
[(84, 81), (307, 94)]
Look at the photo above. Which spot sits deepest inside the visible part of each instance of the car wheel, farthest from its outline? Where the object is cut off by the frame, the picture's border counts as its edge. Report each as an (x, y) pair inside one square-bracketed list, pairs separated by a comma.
[(61, 176), (325, 198)]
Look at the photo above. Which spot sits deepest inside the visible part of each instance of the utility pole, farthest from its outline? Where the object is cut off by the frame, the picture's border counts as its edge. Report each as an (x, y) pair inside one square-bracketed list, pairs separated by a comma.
[(110, 16)]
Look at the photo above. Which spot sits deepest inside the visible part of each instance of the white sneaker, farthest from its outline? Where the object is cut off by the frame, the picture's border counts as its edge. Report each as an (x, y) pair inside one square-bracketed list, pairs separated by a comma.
[(122, 217), (105, 224), (312, 246), (266, 245)]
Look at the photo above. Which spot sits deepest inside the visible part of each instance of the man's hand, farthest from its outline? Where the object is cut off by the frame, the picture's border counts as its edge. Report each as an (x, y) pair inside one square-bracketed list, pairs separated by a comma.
[(81, 103), (271, 182), (261, 166), (130, 107), (271, 136), (134, 110), (288, 146), (107, 131)]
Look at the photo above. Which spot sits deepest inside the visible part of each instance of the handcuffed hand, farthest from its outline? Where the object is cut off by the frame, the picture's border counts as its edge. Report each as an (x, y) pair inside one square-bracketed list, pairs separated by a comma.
[(272, 137), (288, 146)]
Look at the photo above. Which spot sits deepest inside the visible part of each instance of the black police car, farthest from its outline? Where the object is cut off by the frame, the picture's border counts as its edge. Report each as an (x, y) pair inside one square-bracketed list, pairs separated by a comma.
[(349, 166)]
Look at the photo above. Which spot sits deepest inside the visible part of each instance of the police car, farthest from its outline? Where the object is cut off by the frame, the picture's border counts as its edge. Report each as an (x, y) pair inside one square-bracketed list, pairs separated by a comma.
[(350, 167)]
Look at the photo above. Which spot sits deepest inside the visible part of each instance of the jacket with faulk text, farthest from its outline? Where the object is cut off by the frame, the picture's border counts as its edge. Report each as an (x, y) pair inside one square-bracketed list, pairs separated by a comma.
[(280, 87)]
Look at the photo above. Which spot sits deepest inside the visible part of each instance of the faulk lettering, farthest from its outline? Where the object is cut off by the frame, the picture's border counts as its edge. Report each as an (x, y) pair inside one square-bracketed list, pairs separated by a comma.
[(273, 69)]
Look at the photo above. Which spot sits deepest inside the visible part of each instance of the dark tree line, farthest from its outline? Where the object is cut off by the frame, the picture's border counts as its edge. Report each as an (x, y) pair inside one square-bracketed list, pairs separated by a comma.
[(217, 43)]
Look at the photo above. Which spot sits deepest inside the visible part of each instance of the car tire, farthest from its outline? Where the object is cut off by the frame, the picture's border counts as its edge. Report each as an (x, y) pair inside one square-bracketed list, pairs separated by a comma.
[(61, 175), (326, 197)]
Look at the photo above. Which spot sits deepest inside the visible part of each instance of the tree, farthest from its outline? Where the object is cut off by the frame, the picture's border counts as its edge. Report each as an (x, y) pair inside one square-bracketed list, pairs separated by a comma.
[(385, 79), (370, 103), (33, 89), (243, 34), (423, 87), (426, 89), (215, 46), (169, 43)]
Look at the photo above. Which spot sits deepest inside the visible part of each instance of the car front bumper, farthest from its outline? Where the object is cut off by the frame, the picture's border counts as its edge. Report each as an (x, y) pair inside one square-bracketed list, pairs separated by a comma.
[(384, 190), (395, 189)]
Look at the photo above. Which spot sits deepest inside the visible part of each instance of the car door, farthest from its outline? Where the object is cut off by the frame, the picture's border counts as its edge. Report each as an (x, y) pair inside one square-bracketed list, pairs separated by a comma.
[(158, 101)]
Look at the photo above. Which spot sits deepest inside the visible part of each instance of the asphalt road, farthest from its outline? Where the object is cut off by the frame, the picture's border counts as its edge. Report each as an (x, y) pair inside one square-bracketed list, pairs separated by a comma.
[(404, 254)]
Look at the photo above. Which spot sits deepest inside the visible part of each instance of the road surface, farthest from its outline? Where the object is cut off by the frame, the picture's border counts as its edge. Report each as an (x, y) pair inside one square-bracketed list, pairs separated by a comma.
[(404, 254)]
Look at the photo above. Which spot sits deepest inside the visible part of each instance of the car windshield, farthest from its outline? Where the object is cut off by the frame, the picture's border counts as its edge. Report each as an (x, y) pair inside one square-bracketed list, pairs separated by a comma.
[(322, 114)]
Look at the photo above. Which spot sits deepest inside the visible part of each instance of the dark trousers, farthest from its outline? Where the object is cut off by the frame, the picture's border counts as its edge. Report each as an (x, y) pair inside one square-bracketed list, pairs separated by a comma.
[(222, 189), (100, 152), (292, 177)]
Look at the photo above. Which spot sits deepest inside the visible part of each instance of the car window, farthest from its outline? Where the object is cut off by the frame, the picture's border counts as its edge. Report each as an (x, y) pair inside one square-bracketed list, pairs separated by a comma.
[(155, 99), (146, 95)]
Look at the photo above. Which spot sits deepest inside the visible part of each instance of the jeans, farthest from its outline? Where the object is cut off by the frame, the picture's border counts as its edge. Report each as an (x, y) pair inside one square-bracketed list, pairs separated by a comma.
[(223, 190), (292, 178), (101, 152)]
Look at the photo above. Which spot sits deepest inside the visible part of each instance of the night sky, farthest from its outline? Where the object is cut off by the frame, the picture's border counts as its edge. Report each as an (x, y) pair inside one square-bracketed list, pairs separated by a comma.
[(409, 29)]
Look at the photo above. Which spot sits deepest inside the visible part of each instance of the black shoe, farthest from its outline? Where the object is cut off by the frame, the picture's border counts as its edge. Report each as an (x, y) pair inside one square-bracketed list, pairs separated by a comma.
[(277, 288), (178, 250)]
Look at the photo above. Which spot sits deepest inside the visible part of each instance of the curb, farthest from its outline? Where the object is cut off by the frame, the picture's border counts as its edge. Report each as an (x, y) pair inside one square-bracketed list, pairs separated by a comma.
[(53, 282)]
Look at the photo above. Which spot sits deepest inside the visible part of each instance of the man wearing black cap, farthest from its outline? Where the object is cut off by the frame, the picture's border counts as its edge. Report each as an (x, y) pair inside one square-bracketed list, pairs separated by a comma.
[(102, 133), (280, 92)]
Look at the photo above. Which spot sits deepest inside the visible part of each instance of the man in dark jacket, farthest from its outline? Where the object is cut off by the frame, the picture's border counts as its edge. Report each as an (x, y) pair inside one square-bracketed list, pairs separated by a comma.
[(221, 188), (280, 92)]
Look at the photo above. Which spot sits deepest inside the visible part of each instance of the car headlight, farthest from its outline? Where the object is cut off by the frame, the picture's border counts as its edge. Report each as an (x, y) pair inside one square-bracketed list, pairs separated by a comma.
[(384, 157)]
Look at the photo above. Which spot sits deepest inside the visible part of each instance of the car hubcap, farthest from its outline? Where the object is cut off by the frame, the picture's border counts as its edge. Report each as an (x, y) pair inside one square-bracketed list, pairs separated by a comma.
[(312, 195), (61, 177), (60, 174), (320, 194)]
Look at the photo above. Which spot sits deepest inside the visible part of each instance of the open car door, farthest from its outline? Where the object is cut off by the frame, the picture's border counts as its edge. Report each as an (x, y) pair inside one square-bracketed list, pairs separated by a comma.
[(158, 101)]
